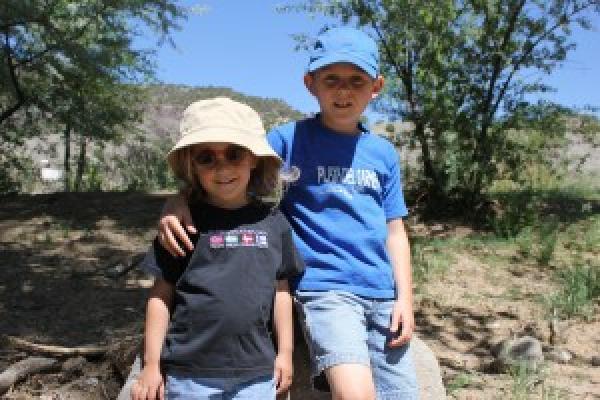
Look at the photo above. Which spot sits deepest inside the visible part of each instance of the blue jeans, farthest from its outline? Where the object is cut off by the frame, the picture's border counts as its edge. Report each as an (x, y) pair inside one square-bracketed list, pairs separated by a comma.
[(187, 388), (342, 327)]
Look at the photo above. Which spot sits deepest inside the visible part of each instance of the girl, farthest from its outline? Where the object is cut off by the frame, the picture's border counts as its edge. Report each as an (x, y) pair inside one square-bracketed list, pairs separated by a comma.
[(208, 314)]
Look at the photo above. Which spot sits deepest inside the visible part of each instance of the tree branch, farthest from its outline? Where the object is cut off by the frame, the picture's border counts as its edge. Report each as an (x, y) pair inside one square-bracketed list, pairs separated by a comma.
[(15, 82), (527, 52)]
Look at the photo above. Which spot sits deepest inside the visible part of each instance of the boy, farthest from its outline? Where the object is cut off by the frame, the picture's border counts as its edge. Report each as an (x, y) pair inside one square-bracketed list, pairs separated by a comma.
[(346, 209)]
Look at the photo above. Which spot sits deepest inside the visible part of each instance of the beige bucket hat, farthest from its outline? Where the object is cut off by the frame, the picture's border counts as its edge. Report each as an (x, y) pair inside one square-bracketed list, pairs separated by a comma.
[(222, 120)]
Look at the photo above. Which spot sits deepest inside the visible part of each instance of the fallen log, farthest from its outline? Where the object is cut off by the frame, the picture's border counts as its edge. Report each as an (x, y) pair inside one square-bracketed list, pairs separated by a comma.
[(21, 369), (57, 350)]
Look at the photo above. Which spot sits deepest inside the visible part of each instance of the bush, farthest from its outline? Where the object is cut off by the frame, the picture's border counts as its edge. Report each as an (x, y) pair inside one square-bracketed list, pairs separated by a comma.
[(17, 172), (581, 287), (144, 166)]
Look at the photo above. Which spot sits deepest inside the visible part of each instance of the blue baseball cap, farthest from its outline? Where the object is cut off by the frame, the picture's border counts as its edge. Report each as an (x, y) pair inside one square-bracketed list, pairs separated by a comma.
[(348, 45)]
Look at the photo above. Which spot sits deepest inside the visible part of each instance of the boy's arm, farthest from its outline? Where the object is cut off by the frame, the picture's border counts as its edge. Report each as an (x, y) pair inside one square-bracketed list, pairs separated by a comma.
[(174, 216), (399, 251), (283, 325), (149, 384)]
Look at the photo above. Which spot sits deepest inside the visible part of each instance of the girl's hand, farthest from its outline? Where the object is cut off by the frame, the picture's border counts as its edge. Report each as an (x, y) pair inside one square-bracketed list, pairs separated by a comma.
[(149, 385), (284, 371), (402, 323), (174, 216)]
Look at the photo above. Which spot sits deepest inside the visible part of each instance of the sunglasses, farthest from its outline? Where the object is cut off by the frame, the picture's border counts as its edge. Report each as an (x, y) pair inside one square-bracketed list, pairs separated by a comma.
[(232, 155)]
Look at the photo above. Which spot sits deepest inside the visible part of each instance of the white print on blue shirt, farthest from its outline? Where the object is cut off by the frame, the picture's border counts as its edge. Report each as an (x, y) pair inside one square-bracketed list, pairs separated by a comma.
[(350, 176)]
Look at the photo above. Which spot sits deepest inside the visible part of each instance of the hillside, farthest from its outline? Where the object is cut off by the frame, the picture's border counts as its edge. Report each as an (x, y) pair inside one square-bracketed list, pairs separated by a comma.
[(137, 160)]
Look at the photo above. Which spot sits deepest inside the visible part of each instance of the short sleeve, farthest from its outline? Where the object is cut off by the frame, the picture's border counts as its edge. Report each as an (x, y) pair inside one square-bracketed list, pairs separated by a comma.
[(291, 262), (276, 141), (159, 263), (393, 198)]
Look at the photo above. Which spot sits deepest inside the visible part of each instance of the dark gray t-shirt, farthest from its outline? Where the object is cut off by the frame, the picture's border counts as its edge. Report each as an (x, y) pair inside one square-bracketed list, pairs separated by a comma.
[(224, 290)]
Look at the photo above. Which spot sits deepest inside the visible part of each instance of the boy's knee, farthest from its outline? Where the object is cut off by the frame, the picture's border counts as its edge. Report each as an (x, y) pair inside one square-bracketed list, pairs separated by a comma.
[(351, 382)]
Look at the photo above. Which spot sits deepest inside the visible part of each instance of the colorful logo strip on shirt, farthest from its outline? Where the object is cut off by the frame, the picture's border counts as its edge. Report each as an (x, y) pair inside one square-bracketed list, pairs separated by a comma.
[(246, 238)]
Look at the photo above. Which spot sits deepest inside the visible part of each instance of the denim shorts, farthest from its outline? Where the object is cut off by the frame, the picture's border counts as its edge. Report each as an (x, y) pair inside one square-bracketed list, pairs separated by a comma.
[(342, 328), (188, 388)]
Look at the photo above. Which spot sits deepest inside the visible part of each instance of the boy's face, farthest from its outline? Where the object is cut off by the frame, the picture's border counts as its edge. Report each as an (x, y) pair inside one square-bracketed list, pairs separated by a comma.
[(343, 91)]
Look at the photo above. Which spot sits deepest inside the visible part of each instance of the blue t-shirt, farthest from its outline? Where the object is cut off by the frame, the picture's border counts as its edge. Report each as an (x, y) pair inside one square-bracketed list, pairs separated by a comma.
[(349, 188)]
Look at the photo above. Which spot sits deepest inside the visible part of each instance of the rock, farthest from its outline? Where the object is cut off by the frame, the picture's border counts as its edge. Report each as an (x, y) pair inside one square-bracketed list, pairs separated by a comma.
[(123, 353), (436, 228), (92, 381), (595, 361), (526, 350), (559, 355), (73, 367), (134, 371), (426, 364), (540, 331), (428, 371)]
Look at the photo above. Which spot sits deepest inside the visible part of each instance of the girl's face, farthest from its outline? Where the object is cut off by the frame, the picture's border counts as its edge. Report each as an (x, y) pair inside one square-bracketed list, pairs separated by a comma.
[(223, 170)]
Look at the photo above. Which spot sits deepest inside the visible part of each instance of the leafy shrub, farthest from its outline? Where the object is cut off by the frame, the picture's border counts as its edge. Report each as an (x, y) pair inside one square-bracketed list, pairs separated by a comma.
[(17, 172), (516, 211), (144, 166), (581, 286)]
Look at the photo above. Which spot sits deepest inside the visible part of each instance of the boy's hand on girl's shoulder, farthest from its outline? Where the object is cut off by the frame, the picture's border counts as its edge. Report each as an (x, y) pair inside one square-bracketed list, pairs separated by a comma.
[(149, 385), (284, 372), (174, 217), (402, 323)]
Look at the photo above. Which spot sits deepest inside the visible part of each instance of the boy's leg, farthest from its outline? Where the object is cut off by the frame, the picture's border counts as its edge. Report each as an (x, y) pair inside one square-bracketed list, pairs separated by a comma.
[(393, 368), (350, 381), (336, 334)]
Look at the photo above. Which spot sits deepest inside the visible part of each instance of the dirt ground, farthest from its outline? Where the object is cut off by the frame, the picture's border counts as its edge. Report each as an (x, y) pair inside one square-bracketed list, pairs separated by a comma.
[(61, 284)]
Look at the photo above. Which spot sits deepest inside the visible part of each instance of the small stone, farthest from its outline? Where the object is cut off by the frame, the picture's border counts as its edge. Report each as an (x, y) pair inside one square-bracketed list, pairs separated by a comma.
[(92, 381), (493, 325), (559, 355), (539, 331), (115, 271), (73, 367), (437, 228)]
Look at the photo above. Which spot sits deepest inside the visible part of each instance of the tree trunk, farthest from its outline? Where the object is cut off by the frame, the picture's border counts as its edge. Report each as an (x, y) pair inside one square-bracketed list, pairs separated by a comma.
[(428, 168), (80, 162), (12, 74), (67, 160)]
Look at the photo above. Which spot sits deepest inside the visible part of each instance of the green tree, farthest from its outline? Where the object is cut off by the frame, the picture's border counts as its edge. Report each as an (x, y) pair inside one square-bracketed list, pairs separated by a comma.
[(64, 64), (51, 48), (456, 69)]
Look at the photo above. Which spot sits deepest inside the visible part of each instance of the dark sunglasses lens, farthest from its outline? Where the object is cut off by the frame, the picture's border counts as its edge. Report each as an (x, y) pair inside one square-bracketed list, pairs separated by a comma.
[(235, 153), (205, 157)]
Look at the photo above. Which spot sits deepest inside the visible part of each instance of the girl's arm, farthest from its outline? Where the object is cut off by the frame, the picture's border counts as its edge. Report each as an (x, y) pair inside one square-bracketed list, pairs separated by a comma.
[(150, 384), (399, 251), (174, 216), (283, 325)]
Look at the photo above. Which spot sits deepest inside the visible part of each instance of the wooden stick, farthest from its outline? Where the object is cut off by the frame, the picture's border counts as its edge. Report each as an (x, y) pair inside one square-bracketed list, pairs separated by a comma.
[(57, 350), (21, 369)]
